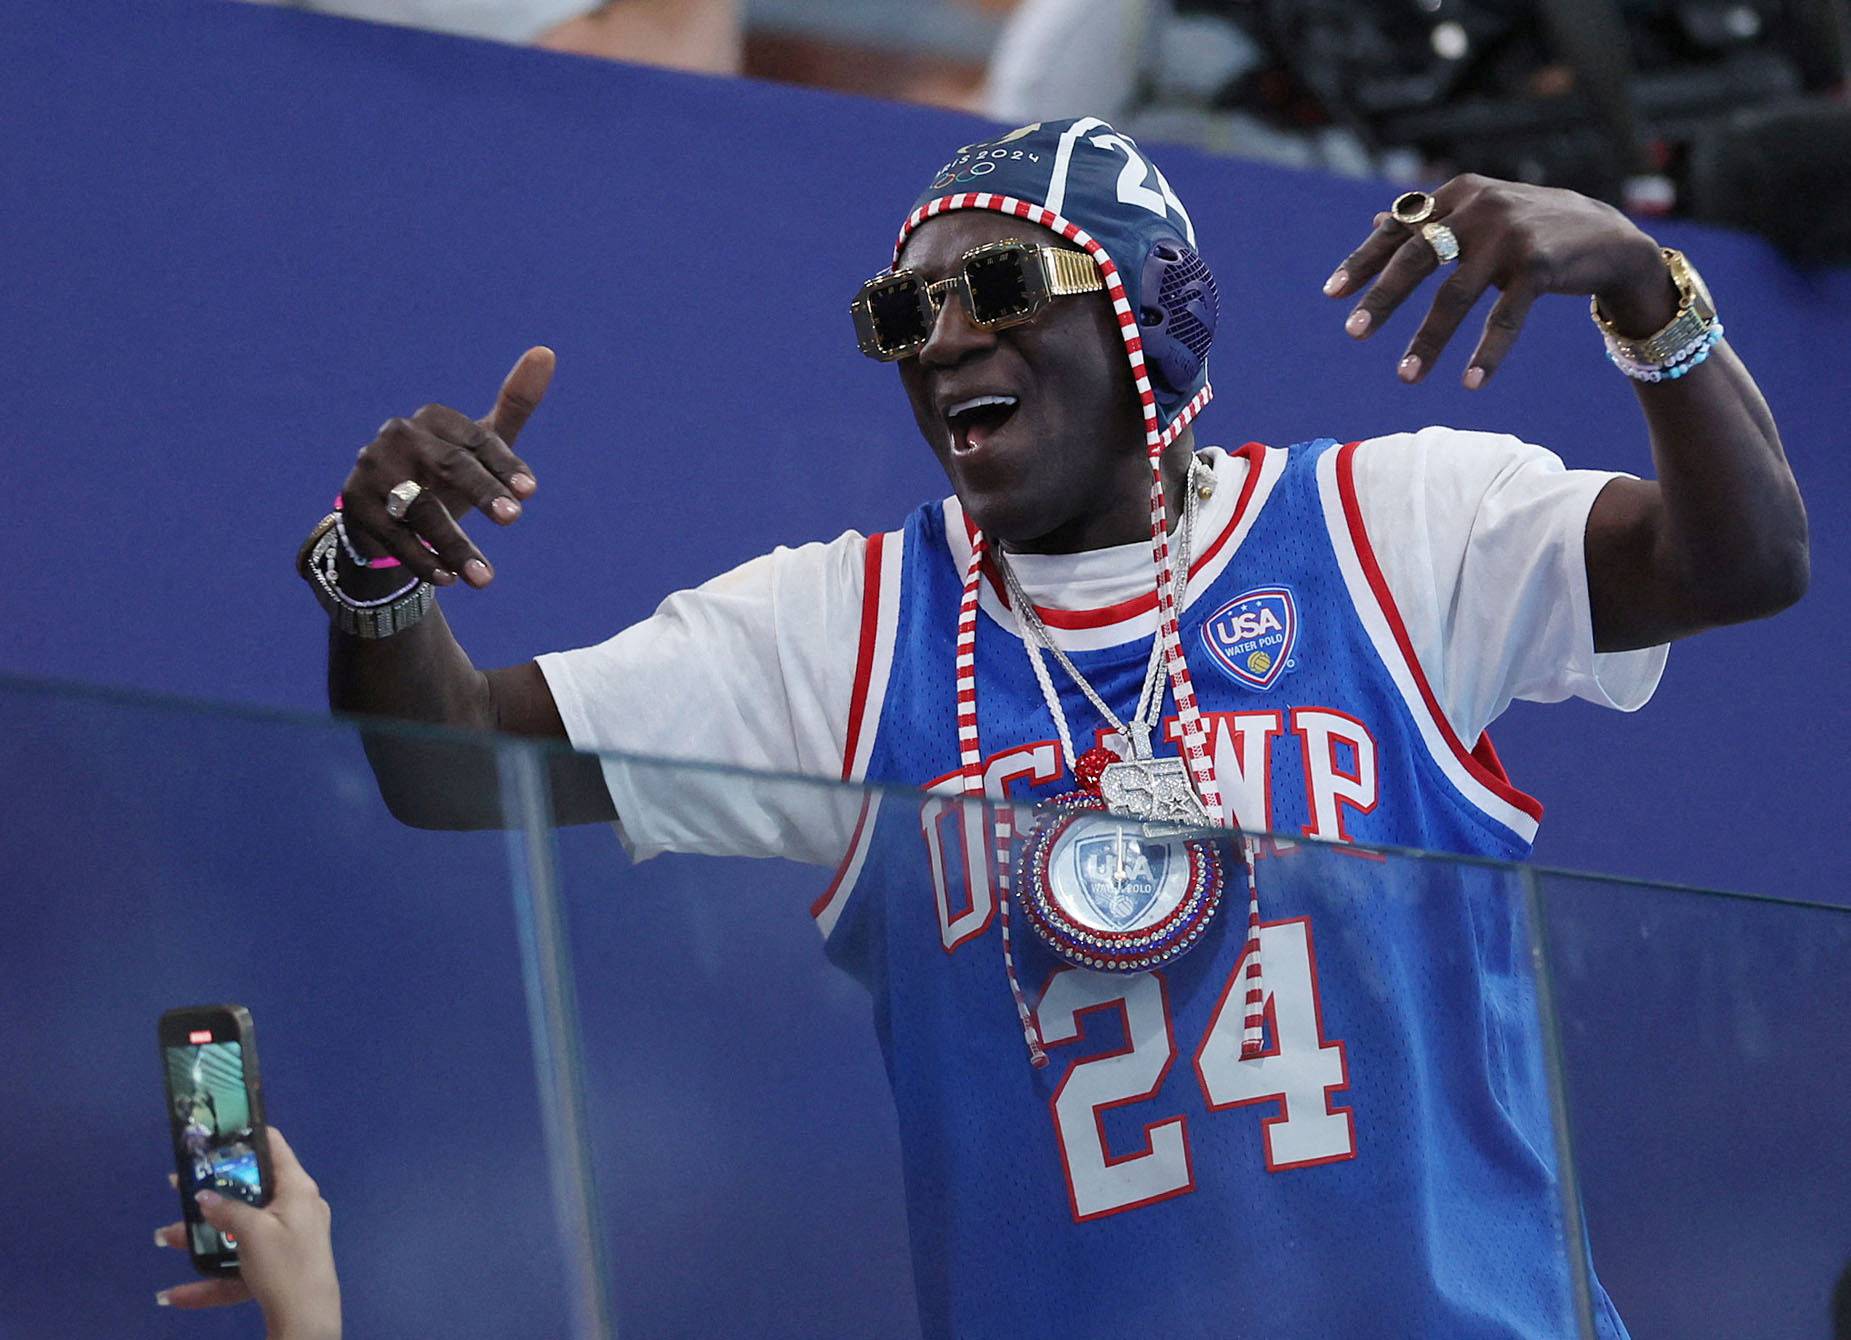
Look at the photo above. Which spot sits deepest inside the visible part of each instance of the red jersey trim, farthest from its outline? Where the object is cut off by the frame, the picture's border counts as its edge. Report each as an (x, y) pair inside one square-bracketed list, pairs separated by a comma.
[(849, 861), (864, 655), (1481, 761), (1106, 615)]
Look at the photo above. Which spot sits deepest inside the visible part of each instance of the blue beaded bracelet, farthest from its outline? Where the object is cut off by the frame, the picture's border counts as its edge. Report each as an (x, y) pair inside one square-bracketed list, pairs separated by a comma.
[(1677, 367)]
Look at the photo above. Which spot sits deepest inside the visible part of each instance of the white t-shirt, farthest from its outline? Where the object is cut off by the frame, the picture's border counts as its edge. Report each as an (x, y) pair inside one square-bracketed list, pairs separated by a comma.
[(1480, 536)]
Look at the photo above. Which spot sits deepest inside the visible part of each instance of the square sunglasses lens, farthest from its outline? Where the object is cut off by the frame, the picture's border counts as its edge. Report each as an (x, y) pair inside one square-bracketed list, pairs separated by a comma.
[(998, 289), (895, 310)]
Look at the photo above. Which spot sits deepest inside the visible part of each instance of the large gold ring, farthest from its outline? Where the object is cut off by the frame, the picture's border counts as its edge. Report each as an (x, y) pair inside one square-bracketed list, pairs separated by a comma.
[(1442, 239), (400, 498), (1412, 208)]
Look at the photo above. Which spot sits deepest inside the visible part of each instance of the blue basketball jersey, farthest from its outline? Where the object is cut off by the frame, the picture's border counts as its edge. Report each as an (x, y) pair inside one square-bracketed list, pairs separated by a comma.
[(1387, 1166)]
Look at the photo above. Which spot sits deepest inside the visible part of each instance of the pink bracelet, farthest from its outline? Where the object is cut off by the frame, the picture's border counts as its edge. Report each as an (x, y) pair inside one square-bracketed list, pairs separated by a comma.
[(340, 525)]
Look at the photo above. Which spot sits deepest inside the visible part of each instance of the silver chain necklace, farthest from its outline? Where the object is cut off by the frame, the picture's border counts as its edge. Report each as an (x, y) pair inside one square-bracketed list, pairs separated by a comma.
[(1035, 637)]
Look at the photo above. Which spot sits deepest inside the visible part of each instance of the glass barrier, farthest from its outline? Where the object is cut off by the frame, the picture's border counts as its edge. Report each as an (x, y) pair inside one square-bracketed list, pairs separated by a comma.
[(165, 854), (1709, 1077), (775, 1072), (815, 1110)]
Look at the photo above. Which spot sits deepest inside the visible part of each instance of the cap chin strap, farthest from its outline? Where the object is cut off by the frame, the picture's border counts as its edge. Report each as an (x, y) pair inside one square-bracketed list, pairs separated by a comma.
[(970, 755), (1195, 752), (1195, 749)]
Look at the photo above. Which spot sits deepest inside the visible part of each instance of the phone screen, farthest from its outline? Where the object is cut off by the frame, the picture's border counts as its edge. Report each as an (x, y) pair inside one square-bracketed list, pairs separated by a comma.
[(214, 1131)]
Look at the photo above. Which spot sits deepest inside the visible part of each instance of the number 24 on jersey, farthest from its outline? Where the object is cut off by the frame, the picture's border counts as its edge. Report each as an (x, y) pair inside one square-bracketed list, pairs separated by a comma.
[(1299, 1073)]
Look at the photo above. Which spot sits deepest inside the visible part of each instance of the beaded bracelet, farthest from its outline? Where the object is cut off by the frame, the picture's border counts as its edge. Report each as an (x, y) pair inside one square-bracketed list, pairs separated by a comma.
[(1690, 356), (1624, 357), (326, 576), (353, 554), (379, 618)]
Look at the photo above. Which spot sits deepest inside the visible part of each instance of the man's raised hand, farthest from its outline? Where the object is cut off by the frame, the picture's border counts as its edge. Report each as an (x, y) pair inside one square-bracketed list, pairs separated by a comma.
[(460, 463), (1523, 240)]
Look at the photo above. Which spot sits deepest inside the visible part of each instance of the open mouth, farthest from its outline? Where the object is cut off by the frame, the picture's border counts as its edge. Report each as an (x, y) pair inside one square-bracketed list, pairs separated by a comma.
[(974, 421)]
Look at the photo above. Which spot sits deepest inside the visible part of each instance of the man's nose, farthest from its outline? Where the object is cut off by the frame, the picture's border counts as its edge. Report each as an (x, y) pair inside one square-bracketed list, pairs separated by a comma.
[(954, 336)]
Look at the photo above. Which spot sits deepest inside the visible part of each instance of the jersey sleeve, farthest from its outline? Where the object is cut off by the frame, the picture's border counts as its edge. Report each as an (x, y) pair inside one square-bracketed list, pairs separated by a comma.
[(754, 669), (1482, 542)]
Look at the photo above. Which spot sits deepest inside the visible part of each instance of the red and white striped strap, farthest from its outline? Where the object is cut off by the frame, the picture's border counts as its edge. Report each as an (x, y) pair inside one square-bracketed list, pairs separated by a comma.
[(970, 759), (1156, 437)]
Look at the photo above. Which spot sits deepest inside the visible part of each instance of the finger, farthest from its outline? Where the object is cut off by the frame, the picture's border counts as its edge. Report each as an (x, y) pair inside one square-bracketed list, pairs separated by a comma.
[(1413, 261), (205, 1293), (1502, 323), (173, 1180), (1451, 301), (520, 396), (228, 1213), (288, 1178), (431, 521), (366, 511), (473, 462), (1361, 264), (171, 1235)]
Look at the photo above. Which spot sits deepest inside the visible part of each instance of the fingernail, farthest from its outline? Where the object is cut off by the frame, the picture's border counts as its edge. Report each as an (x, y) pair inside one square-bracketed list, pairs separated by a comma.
[(160, 1299), (159, 1241), (206, 1197), (476, 572), (1474, 378), (505, 509), (1410, 367), (522, 483), (1358, 322), (443, 577), (1336, 282)]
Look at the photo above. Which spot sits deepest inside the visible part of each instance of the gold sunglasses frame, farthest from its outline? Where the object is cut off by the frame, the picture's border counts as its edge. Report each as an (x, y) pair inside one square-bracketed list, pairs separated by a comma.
[(1057, 272)]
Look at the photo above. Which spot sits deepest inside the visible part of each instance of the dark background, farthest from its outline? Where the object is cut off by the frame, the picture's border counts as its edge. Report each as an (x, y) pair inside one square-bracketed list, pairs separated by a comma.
[(237, 239)]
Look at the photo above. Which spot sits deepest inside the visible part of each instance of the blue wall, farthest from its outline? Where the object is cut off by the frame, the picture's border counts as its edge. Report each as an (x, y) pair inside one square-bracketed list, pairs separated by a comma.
[(238, 238)]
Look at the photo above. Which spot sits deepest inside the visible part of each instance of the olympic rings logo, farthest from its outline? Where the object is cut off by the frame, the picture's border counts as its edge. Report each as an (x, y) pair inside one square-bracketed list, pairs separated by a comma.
[(969, 174)]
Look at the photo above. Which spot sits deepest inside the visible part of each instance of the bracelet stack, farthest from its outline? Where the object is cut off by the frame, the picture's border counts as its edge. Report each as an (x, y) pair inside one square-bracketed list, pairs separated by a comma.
[(354, 556), (1681, 344), (319, 563), (1680, 362)]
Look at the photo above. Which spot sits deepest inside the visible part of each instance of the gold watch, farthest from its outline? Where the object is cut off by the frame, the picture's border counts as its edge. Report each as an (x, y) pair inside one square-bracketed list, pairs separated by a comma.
[(1695, 314)]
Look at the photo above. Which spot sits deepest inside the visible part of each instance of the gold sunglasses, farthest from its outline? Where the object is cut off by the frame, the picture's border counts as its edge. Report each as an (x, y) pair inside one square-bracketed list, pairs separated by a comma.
[(1001, 284)]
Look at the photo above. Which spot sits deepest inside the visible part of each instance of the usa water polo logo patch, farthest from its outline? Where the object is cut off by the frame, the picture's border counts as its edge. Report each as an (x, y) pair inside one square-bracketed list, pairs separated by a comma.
[(1252, 637)]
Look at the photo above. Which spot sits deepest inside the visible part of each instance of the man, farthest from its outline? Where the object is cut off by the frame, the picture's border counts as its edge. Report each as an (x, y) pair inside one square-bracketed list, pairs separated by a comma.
[(1332, 626)]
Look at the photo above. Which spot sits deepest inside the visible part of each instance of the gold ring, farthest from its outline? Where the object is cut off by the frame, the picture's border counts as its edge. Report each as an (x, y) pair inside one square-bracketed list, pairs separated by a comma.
[(1412, 207)]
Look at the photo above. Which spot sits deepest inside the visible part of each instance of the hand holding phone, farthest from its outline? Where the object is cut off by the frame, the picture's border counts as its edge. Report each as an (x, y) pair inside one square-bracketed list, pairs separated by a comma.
[(286, 1255), (215, 1110)]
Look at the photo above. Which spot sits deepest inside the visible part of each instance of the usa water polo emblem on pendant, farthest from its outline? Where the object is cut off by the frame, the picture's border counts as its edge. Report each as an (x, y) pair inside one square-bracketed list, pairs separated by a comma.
[(1254, 635), (1117, 893)]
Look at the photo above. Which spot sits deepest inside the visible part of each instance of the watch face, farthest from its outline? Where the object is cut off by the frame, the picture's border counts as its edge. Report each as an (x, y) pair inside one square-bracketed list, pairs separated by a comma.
[(1690, 283)]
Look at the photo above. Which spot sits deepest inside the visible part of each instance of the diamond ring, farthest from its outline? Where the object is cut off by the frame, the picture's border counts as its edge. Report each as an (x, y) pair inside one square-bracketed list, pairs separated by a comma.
[(400, 499), (1443, 241)]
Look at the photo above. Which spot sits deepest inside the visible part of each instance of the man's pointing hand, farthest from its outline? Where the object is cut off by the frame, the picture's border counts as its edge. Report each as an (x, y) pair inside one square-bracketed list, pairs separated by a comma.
[(459, 463)]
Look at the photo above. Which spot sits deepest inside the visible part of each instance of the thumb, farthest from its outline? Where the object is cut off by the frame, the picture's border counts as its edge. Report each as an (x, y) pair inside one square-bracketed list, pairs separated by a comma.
[(521, 393)]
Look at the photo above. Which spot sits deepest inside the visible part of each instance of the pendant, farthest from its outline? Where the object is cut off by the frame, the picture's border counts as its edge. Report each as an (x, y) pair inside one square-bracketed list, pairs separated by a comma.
[(1152, 788), (1122, 894)]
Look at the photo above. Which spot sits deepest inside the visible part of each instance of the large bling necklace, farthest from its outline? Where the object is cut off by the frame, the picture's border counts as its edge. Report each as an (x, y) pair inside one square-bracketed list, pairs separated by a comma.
[(1119, 875)]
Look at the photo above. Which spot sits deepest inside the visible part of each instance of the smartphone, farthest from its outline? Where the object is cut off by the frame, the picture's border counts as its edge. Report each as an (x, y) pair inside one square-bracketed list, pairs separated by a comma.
[(215, 1110)]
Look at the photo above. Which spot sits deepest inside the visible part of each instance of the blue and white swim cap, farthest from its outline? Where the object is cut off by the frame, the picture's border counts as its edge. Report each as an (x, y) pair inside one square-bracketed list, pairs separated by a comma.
[(1092, 184)]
